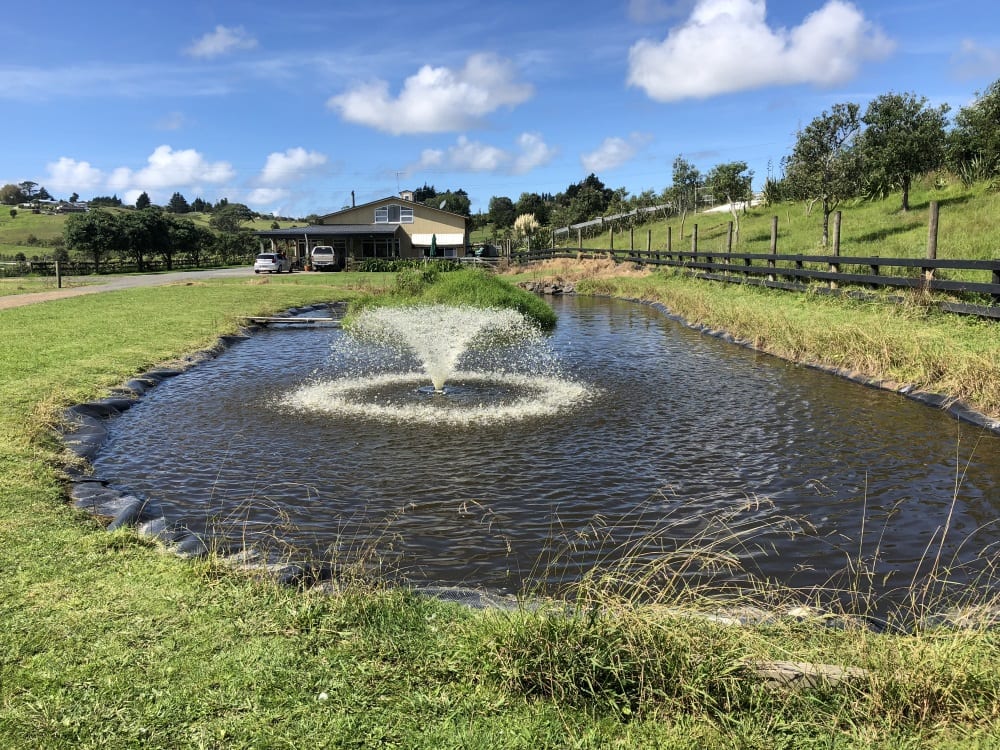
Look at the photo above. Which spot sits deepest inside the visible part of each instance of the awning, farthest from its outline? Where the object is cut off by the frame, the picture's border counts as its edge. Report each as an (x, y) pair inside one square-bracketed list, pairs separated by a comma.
[(456, 239)]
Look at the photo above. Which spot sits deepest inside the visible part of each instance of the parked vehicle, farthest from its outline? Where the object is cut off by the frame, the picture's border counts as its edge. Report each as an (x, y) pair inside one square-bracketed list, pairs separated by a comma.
[(324, 258), (272, 263)]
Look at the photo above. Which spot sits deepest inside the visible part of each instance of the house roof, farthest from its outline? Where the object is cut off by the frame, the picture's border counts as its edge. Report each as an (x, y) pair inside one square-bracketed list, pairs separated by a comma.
[(401, 201), (330, 230)]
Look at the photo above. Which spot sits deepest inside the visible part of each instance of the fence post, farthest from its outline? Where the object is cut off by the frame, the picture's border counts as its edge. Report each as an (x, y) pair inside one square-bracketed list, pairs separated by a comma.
[(58, 276), (631, 239), (694, 243), (835, 267), (729, 246), (774, 247), (932, 240), (996, 280), (649, 244), (670, 243), (579, 238)]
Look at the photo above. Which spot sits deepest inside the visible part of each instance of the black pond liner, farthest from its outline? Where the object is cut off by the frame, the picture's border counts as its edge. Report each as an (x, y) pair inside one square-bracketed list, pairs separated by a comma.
[(85, 431)]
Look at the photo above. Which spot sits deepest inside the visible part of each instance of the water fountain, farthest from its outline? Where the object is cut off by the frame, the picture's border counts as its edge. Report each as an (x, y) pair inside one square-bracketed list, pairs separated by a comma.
[(516, 378)]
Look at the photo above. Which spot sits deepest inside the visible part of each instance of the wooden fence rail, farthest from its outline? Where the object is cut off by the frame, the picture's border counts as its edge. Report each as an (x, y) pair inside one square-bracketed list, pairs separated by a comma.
[(802, 272)]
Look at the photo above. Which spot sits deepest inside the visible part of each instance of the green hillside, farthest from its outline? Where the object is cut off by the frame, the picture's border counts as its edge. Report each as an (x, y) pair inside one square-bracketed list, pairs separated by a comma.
[(967, 227), (37, 234)]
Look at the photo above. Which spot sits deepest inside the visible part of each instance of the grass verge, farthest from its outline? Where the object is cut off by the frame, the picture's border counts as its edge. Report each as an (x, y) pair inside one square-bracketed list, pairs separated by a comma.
[(107, 640)]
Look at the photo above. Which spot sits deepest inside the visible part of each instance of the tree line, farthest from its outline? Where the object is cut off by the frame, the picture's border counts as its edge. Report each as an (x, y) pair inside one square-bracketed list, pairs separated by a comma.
[(152, 233), (843, 153)]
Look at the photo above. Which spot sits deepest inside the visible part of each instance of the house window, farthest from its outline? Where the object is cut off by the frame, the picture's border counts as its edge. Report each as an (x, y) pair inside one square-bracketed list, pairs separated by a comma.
[(394, 214)]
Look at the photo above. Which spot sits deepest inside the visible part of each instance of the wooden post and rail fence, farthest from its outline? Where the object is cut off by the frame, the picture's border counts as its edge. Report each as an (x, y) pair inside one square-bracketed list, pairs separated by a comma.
[(809, 271)]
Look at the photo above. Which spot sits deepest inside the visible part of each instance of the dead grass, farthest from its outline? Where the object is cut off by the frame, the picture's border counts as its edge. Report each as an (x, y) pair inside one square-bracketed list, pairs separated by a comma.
[(573, 270)]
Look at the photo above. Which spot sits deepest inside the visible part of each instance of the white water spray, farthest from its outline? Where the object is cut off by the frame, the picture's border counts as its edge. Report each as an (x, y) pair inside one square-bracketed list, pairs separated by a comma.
[(439, 335), (514, 385)]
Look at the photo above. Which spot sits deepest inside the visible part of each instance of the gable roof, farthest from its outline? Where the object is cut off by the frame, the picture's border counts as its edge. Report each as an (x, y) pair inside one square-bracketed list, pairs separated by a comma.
[(400, 201)]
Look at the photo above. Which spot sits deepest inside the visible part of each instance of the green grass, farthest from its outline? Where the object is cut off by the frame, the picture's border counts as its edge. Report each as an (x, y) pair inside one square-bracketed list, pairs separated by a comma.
[(473, 287), (32, 284), (868, 227), (109, 641)]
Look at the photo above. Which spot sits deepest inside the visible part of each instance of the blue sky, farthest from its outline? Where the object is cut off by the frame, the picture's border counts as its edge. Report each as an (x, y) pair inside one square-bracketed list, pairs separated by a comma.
[(290, 107)]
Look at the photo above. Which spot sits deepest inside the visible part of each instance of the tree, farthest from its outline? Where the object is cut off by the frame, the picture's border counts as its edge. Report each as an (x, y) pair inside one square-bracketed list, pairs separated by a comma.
[(188, 238), (535, 204), (11, 195), (200, 206), (974, 143), (229, 217), (28, 189), (112, 201), (904, 138), (95, 234), (145, 233), (686, 180), (501, 211), (457, 202), (733, 181), (143, 201), (74, 197), (825, 165), (178, 204), (424, 194)]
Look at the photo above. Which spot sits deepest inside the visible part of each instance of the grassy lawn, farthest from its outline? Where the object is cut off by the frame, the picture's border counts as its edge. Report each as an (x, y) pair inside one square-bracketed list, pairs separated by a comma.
[(110, 641), (32, 284)]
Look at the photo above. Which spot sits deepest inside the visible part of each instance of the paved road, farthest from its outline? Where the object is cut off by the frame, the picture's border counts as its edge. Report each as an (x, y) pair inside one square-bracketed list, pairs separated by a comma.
[(121, 282)]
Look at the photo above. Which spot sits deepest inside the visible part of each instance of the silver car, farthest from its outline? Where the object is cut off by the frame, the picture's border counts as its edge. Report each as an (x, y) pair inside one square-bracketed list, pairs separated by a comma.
[(272, 263)]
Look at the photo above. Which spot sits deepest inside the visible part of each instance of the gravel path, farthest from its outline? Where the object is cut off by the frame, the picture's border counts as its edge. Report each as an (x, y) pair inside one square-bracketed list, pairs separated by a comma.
[(121, 282)]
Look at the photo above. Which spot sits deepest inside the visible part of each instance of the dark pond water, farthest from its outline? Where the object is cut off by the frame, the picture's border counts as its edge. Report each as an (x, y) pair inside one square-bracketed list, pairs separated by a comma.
[(686, 442)]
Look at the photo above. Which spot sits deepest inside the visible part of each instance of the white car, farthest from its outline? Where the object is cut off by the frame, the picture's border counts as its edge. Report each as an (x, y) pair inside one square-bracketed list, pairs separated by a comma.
[(324, 258), (272, 263)]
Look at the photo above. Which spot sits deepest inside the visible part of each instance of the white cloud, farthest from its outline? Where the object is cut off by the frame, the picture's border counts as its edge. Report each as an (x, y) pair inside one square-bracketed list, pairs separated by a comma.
[(473, 156), (974, 60), (727, 46), (171, 121), (169, 169), (613, 152), (534, 152), (282, 168), (222, 41), (436, 100), (70, 175), (267, 196)]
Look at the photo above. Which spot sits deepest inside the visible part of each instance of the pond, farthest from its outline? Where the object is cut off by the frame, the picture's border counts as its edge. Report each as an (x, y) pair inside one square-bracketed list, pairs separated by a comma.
[(686, 452)]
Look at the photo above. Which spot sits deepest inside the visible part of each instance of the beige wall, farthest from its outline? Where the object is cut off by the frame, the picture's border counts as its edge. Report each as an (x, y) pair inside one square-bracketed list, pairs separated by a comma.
[(426, 220)]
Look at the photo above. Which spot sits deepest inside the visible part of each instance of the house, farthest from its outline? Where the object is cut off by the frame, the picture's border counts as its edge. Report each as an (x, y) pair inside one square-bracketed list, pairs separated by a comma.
[(391, 227)]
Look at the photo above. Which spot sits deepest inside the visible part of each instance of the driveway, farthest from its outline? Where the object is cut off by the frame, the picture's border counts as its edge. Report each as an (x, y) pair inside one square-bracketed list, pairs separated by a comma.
[(122, 282)]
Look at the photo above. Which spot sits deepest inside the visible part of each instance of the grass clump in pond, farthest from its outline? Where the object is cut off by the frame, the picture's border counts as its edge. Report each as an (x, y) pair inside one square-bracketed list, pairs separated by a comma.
[(468, 287)]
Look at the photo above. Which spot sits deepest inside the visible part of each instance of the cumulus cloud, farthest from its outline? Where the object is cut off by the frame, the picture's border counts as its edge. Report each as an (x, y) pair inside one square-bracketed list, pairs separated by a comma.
[(282, 168), (71, 175), (727, 46), (613, 152), (267, 196), (436, 100), (222, 41), (533, 152), (473, 156), (167, 168), (974, 60)]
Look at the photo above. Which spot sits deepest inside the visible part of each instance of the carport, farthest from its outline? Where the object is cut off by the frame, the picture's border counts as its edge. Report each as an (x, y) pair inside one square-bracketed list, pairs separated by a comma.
[(350, 241)]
